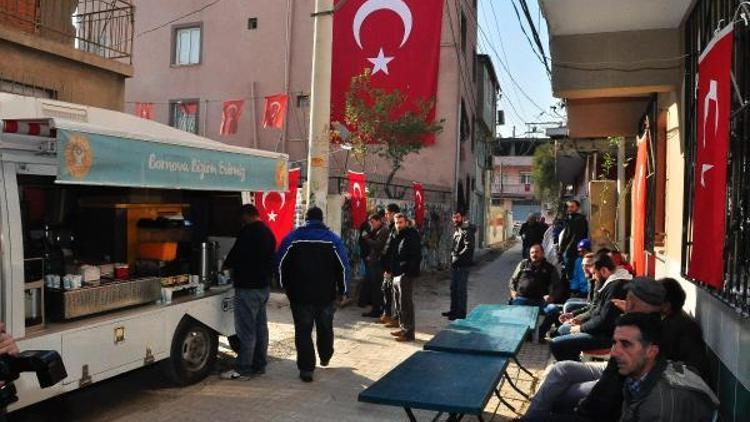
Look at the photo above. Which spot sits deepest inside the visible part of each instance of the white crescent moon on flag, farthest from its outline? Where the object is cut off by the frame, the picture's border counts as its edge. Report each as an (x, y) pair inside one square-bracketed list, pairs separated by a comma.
[(418, 194), (356, 188), (281, 195), (372, 6), (275, 108)]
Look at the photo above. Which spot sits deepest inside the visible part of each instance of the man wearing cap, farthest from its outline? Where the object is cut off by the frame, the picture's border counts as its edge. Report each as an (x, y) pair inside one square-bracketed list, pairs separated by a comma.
[(567, 382)]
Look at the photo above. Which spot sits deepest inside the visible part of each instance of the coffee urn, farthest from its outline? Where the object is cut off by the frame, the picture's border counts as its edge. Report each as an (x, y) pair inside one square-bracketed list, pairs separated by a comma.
[(208, 255)]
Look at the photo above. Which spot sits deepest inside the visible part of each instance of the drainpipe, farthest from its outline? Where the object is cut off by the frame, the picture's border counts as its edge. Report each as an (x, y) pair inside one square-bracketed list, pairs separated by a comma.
[(287, 68)]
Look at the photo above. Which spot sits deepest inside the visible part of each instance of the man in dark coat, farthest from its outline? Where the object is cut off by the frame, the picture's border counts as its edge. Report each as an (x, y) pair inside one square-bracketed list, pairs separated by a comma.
[(314, 269), (462, 258), (251, 260), (576, 229), (404, 267), (389, 318), (375, 241)]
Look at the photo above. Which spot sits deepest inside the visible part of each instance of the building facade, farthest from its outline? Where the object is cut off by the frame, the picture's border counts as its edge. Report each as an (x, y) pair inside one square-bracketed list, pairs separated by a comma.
[(71, 50), (644, 84)]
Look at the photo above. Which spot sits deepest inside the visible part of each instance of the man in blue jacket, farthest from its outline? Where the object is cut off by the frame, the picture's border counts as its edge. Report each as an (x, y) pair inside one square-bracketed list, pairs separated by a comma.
[(314, 269)]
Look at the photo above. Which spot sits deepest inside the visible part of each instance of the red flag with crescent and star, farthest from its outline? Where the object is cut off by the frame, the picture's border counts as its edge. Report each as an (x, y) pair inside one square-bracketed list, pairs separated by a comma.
[(145, 110), (710, 180), (358, 197), (399, 40), (418, 204), (230, 116), (277, 208), (638, 194), (275, 111)]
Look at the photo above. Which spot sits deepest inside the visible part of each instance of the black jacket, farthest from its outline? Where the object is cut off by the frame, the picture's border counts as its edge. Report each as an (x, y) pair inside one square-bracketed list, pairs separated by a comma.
[(251, 257), (535, 281), (462, 252), (406, 255), (576, 229), (388, 250), (313, 265), (532, 233), (603, 313), (375, 241)]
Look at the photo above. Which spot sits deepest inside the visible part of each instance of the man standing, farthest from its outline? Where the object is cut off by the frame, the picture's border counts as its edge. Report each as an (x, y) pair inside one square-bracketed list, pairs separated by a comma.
[(314, 269), (576, 229), (535, 282), (251, 260), (375, 241), (389, 318), (405, 266), (462, 257)]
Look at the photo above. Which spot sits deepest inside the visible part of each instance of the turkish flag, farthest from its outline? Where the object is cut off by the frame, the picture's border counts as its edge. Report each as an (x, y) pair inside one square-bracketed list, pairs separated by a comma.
[(358, 198), (418, 204), (145, 110), (277, 208), (639, 195), (230, 116), (710, 180), (275, 111), (399, 40)]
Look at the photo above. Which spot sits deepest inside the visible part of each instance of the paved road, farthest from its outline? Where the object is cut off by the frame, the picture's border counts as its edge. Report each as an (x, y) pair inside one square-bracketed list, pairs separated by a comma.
[(364, 352)]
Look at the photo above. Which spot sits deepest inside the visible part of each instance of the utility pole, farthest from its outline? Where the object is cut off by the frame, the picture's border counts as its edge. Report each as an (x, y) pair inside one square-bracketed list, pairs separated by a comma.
[(320, 106)]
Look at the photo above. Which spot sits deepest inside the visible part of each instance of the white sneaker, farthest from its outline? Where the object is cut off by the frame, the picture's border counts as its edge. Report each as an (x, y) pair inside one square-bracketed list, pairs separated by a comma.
[(233, 375)]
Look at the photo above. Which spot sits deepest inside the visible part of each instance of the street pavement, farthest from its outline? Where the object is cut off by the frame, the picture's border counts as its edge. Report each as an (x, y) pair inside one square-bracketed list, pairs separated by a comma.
[(364, 352)]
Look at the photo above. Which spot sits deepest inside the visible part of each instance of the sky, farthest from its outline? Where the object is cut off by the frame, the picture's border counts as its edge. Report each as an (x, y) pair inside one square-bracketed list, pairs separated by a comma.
[(503, 40)]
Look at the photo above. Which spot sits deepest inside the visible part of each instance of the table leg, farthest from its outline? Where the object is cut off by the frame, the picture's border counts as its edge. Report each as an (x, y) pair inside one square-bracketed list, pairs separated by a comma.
[(435, 419), (515, 360), (455, 417), (480, 418), (505, 402), (514, 386), (410, 414)]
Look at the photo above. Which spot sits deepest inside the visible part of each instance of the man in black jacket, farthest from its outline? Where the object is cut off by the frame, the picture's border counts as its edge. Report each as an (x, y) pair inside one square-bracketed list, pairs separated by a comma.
[(462, 257), (406, 259), (375, 241), (576, 229), (389, 318), (314, 270), (251, 260)]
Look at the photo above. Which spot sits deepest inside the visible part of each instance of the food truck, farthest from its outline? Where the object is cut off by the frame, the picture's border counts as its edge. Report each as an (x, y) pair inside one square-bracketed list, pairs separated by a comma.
[(106, 250)]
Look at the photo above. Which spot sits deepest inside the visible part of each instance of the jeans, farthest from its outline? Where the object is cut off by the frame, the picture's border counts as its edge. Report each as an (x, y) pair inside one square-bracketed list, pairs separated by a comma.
[(251, 326), (550, 311), (570, 346), (403, 298), (565, 384), (564, 329), (374, 286), (574, 304), (459, 286), (305, 316), (387, 289)]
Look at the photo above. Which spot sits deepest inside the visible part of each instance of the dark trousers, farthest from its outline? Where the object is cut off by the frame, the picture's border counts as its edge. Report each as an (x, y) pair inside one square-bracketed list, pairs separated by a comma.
[(387, 289), (570, 346), (403, 298), (251, 326), (305, 316), (459, 287), (374, 290)]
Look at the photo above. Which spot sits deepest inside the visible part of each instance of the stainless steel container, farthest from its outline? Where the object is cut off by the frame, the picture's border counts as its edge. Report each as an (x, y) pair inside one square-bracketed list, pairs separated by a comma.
[(208, 269)]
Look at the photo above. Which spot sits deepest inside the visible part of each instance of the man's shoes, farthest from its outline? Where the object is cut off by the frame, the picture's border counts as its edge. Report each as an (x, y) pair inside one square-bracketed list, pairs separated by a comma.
[(397, 333), (384, 319), (404, 338), (446, 314), (371, 314), (345, 301), (306, 376), (393, 324), (455, 317), (233, 375), (324, 363)]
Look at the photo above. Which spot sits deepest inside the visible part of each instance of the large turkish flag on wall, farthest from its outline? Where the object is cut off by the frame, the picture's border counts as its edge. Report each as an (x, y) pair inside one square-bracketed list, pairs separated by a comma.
[(639, 195), (277, 208), (399, 40), (710, 180)]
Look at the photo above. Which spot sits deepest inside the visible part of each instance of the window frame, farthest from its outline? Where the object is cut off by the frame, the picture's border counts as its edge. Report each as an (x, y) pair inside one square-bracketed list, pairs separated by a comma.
[(173, 49)]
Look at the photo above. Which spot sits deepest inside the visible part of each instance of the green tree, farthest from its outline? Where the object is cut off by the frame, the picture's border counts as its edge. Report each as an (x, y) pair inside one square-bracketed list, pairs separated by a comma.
[(546, 185), (378, 123)]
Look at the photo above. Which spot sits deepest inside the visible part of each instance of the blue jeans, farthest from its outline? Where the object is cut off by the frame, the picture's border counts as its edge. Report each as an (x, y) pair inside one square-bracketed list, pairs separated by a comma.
[(575, 303), (459, 286), (550, 311), (305, 316), (251, 326), (570, 346)]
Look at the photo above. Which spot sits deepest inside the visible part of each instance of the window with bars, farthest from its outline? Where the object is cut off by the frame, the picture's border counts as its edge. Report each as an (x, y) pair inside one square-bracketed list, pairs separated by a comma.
[(186, 48), (706, 16), (183, 115)]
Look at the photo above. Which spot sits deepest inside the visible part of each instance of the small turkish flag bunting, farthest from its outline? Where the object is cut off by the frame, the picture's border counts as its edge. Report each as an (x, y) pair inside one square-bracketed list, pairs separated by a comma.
[(275, 111), (418, 204), (277, 208), (230, 116), (145, 110)]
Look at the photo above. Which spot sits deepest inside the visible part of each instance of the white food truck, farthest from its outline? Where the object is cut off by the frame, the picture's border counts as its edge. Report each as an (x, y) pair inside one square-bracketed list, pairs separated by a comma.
[(100, 215)]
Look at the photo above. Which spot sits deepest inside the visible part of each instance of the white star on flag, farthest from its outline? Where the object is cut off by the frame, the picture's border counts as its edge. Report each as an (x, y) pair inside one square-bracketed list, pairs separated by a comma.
[(380, 63), (272, 216)]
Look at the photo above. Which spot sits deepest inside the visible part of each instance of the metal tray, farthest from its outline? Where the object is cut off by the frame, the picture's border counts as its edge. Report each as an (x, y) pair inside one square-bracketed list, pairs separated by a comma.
[(68, 304)]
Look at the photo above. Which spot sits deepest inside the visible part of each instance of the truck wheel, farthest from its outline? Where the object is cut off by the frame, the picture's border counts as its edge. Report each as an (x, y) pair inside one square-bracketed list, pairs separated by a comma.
[(193, 353)]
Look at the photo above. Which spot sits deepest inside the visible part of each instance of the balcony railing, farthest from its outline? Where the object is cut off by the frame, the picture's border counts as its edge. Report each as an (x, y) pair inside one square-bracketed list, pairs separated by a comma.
[(101, 27), (513, 189)]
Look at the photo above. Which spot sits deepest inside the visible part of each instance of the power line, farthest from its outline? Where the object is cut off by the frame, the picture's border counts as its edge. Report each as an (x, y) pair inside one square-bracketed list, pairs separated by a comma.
[(531, 44), (534, 32), (156, 28)]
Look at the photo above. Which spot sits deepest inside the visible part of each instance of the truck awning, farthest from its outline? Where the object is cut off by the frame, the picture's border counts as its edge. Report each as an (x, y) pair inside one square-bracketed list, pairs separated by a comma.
[(91, 155)]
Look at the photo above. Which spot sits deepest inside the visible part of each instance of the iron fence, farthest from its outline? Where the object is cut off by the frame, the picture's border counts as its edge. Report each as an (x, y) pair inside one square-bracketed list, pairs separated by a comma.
[(101, 27), (699, 29)]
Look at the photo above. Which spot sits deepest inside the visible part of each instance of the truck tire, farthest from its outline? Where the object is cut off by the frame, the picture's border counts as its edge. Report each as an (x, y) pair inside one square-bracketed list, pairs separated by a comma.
[(193, 353)]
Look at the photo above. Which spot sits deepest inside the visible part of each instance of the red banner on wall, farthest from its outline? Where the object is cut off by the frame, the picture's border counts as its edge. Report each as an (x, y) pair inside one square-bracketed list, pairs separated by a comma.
[(145, 110), (639, 195), (230, 116), (710, 180), (277, 208), (275, 111), (399, 40), (358, 198), (418, 204)]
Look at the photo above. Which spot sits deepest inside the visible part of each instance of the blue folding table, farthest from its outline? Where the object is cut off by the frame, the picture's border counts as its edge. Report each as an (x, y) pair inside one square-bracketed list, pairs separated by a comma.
[(505, 314), (453, 383)]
